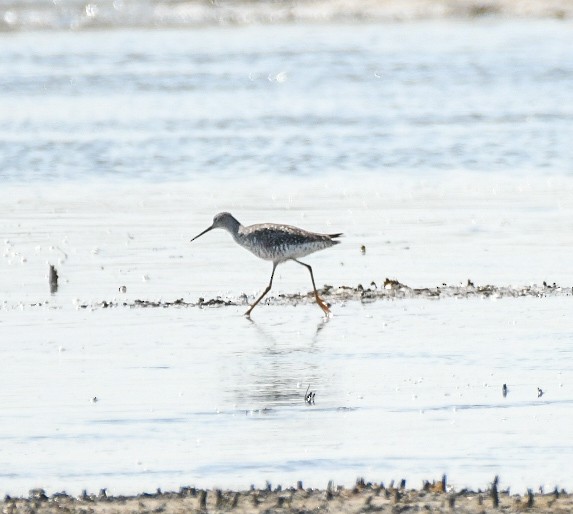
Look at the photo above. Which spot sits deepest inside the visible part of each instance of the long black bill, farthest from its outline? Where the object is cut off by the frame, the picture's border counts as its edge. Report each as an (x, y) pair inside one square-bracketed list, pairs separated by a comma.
[(204, 232)]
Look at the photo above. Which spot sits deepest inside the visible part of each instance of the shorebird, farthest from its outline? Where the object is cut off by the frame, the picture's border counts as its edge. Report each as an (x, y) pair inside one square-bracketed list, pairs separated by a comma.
[(276, 243)]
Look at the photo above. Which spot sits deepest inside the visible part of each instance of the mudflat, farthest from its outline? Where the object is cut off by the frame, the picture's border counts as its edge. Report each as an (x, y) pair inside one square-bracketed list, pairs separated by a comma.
[(363, 497)]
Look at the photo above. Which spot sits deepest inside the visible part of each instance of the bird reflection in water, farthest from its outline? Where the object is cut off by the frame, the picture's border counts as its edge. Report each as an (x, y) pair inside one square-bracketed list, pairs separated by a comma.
[(280, 375)]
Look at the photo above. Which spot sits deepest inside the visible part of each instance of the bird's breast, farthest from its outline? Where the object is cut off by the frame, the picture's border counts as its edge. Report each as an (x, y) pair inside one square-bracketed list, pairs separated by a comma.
[(282, 250)]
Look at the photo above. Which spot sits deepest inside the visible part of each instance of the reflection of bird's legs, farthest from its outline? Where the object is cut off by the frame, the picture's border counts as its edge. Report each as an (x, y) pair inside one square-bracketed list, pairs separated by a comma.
[(248, 313), (319, 300)]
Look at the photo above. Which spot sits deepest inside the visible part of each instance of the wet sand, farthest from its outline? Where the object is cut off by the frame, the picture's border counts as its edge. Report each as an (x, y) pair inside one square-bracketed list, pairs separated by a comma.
[(196, 13), (376, 10), (390, 289), (363, 497)]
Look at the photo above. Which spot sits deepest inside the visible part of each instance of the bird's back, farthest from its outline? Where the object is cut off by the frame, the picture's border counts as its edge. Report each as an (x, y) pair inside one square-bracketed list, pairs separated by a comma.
[(279, 243)]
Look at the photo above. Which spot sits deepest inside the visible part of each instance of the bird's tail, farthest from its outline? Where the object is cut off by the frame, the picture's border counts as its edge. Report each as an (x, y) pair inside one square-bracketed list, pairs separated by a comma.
[(334, 236)]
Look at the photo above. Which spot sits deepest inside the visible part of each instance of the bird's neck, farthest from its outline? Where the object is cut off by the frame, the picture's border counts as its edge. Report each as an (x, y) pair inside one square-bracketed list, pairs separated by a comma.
[(234, 229)]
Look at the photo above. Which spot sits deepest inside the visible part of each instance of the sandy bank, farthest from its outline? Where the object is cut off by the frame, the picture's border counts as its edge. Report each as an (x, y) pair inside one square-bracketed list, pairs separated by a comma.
[(199, 13), (388, 290), (364, 497), (383, 10)]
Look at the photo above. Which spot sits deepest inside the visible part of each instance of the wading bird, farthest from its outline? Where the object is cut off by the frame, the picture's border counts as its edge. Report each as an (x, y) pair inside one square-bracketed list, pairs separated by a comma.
[(276, 243)]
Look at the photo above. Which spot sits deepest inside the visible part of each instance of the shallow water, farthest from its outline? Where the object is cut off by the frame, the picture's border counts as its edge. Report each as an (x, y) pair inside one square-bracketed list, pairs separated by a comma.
[(494, 229), (305, 100), (443, 148), (408, 388), (404, 389)]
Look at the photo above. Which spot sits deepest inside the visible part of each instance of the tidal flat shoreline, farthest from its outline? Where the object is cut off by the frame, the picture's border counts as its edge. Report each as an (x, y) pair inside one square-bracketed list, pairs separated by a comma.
[(198, 13), (436, 496), (390, 289)]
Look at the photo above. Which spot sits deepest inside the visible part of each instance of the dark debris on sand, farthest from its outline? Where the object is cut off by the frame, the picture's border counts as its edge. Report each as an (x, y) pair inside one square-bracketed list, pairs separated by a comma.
[(388, 290), (363, 497)]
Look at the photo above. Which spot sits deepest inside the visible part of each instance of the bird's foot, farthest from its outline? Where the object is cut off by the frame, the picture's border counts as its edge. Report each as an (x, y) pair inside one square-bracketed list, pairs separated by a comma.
[(323, 305)]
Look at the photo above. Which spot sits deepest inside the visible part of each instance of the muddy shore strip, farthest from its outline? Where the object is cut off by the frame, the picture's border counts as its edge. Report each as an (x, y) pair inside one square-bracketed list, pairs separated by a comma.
[(436, 496), (388, 290)]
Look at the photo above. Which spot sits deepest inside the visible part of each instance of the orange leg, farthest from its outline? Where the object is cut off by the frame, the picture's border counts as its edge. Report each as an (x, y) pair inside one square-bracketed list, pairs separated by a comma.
[(319, 300), (248, 313)]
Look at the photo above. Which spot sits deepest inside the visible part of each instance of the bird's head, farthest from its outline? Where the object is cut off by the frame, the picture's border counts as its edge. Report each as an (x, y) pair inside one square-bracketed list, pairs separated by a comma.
[(222, 220)]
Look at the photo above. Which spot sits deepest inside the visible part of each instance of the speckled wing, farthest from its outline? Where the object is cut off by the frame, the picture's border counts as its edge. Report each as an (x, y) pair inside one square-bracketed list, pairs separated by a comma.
[(282, 242)]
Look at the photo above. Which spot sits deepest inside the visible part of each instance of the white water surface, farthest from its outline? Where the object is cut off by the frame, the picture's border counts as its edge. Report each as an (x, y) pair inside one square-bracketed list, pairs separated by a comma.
[(444, 147), (188, 396), (406, 389), (295, 100)]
